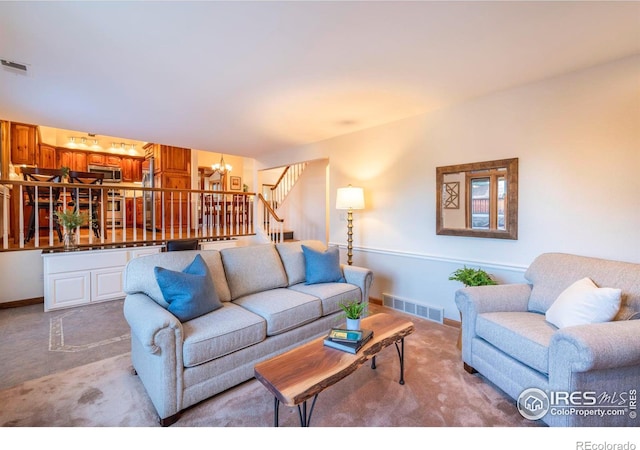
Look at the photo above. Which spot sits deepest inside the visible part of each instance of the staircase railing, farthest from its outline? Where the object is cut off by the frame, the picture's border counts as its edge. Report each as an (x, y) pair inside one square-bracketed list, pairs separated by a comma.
[(284, 184), (272, 225)]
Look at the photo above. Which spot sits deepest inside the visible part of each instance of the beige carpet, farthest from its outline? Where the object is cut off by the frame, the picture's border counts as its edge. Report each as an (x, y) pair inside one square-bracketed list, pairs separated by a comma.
[(437, 393)]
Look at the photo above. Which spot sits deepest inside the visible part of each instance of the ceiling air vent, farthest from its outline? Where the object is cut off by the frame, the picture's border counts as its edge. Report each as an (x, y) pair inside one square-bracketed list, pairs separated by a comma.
[(14, 67)]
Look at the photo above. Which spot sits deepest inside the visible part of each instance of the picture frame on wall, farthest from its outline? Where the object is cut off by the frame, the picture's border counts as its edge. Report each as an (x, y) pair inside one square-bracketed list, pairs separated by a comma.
[(236, 183)]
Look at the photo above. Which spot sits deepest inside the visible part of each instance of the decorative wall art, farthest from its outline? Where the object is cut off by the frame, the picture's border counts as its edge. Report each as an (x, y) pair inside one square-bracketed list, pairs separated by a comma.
[(236, 183), (451, 195)]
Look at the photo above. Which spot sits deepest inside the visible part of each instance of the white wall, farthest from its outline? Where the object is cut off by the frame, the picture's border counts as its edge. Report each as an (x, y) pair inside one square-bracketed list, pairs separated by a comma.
[(577, 137)]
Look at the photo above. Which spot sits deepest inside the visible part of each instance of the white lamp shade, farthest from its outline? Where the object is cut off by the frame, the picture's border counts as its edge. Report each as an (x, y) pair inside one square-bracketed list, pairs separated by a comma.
[(350, 197)]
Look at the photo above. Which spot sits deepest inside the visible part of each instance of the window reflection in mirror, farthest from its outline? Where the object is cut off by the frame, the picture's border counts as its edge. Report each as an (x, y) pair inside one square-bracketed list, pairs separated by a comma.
[(478, 199)]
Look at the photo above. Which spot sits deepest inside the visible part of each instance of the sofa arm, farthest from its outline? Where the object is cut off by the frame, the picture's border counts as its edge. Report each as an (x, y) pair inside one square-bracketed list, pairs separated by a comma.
[(146, 318), (597, 346), (360, 277)]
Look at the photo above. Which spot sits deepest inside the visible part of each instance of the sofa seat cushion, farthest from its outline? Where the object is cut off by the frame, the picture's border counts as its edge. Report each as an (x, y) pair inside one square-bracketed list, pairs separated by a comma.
[(219, 333), (524, 336), (283, 309), (330, 294)]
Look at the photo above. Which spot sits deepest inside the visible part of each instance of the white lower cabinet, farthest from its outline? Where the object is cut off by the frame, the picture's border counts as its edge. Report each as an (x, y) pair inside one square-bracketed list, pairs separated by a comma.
[(83, 277)]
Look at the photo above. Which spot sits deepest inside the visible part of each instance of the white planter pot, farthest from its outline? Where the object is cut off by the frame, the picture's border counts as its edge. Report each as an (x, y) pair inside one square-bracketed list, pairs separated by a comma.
[(353, 324)]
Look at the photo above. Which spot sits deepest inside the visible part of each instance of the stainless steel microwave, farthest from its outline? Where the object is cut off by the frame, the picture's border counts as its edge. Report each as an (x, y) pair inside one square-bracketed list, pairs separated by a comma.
[(111, 174)]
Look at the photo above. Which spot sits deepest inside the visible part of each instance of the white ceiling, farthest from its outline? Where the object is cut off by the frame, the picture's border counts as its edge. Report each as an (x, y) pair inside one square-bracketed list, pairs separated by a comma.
[(245, 78)]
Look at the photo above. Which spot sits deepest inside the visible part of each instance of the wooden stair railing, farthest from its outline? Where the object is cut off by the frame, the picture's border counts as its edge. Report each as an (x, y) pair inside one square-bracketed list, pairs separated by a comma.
[(273, 225), (285, 183)]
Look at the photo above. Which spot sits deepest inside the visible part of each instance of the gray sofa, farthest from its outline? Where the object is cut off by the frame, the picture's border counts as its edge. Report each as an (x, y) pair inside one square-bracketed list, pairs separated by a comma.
[(267, 309), (507, 339)]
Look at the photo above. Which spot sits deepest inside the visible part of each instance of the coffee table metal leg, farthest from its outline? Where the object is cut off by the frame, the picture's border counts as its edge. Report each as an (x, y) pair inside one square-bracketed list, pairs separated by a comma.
[(275, 412), (373, 362), (305, 419), (401, 357)]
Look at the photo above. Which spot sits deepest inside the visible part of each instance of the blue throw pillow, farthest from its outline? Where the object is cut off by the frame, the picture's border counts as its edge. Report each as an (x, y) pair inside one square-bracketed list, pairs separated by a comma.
[(322, 267), (190, 293)]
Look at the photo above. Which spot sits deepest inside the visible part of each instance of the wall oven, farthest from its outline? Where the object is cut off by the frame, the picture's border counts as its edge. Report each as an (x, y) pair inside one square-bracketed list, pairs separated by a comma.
[(114, 211)]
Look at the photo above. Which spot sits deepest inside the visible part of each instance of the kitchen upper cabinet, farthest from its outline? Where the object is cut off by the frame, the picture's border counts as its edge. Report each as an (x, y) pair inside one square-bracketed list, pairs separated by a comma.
[(23, 144), (74, 160), (170, 159), (47, 157), (95, 159), (127, 169), (113, 160)]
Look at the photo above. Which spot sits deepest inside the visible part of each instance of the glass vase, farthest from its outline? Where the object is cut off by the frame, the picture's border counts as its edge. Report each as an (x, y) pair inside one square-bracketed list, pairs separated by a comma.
[(69, 239)]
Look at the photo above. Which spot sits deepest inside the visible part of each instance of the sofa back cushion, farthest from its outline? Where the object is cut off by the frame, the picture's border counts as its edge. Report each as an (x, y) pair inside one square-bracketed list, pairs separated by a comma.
[(252, 269), (292, 258), (551, 273), (139, 276)]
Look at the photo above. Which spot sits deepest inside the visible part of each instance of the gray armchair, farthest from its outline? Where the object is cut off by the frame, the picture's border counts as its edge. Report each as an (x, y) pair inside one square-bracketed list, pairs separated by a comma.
[(588, 374)]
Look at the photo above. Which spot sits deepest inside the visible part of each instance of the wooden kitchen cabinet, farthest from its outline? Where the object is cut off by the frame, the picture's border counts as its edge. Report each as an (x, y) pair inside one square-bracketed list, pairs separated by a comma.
[(95, 159), (172, 170), (23, 144), (170, 159), (127, 169), (129, 208), (73, 159), (112, 160), (47, 157), (139, 212), (136, 169)]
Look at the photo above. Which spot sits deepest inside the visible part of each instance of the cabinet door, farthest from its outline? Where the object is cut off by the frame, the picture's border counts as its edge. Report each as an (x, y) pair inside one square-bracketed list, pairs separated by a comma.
[(106, 284), (127, 169), (79, 161), (23, 144), (65, 158), (47, 157), (176, 159), (113, 160), (129, 207), (139, 212), (136, 169), (95, 159), (67, 289)]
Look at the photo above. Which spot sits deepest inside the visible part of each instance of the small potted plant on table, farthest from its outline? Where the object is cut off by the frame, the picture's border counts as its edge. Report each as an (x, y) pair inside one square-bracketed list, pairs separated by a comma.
[(353, 310)]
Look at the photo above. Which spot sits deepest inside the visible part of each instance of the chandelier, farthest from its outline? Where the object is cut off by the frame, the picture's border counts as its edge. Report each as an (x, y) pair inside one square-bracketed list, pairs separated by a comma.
[(222, 168)]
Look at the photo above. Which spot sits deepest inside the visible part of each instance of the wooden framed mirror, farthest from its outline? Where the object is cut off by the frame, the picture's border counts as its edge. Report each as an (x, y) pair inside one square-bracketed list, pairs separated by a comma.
[(478, 199)]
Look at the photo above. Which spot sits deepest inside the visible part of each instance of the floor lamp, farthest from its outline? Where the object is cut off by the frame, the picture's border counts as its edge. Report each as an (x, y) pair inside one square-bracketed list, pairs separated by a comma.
[(350, 198)]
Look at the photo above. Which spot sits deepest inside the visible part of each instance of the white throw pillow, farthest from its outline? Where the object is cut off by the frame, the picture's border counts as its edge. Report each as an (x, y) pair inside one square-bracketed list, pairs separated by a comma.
[(583, 302)]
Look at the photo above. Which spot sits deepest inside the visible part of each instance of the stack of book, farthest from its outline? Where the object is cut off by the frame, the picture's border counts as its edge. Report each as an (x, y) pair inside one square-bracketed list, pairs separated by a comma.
[(347, 340)]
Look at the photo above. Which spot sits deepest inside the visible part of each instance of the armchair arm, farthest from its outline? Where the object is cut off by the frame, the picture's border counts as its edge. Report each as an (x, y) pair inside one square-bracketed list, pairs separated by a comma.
[(359, 276), (595, 346), (501, 297), (146, 318), (472, 301)]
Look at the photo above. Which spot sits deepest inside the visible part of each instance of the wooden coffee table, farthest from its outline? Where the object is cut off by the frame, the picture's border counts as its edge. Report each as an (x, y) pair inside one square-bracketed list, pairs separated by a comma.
[(302, 373)]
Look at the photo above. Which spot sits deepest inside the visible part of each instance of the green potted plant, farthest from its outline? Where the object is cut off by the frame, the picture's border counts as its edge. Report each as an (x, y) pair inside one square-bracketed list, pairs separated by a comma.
[(353, 310), (472, 277), (71, 219)]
